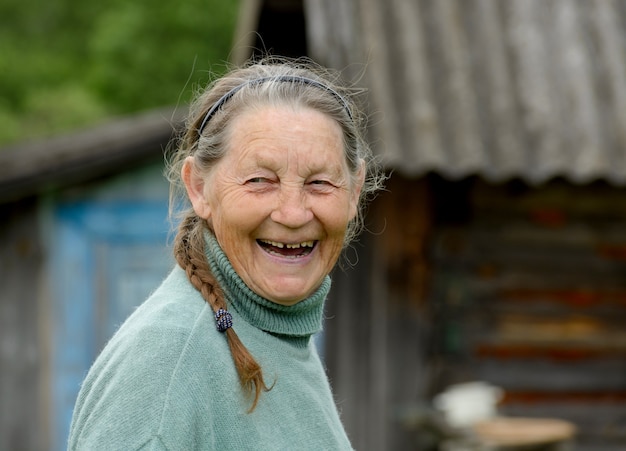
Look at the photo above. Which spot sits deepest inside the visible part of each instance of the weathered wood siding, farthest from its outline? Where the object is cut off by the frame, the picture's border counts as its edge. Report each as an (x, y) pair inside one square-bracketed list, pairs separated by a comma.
[(22, 351), (531, 296)]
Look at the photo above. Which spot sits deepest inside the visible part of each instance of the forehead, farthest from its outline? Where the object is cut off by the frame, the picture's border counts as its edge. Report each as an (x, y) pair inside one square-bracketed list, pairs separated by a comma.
[(272, 132)]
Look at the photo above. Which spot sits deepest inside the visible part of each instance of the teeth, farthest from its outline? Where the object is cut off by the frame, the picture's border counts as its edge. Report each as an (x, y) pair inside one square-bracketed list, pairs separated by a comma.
[(299, 245), (274, 243), (289, 246)]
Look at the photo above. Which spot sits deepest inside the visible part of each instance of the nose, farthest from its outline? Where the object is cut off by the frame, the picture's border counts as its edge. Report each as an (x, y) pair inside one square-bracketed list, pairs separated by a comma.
[(292, 209)]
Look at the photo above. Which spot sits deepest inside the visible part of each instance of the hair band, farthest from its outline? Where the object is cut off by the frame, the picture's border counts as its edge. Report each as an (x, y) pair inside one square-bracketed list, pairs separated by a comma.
[(257, 81), (224, 320)]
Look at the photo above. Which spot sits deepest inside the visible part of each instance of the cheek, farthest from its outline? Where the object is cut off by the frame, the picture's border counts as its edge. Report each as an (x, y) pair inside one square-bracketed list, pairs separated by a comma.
[(339, 224), (229, 222), (335, 217), (232, 234), (236, 215), (222, 198)]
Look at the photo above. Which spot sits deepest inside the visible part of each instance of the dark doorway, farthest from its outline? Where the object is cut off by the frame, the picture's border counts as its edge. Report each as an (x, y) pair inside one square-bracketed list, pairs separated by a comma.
[(281, 29)]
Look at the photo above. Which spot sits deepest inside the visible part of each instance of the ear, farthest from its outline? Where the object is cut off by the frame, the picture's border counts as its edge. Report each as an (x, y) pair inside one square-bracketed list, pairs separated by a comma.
[(195, 186), (356, 191)]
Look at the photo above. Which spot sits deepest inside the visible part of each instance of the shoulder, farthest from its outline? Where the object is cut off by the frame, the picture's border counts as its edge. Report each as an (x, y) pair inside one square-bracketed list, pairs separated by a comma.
[(147, 367), (160, 329)]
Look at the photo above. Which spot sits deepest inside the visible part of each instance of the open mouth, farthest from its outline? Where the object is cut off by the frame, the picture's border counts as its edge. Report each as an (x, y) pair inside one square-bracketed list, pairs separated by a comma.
[(291, 250)]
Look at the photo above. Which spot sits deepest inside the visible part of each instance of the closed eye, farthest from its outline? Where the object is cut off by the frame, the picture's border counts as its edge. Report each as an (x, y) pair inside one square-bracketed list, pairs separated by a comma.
[(322, 186), (258, 180), (260, 184)]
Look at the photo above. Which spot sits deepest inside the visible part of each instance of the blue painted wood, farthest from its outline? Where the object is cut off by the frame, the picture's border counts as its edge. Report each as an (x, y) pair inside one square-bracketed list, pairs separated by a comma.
[(106, 258)]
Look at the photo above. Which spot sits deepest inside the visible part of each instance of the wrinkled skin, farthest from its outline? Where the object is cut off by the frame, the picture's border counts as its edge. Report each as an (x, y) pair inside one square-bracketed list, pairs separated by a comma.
[(280, 200)]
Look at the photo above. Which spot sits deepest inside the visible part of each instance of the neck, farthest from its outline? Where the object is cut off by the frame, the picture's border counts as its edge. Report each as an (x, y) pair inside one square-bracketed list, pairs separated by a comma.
[(299, 320)]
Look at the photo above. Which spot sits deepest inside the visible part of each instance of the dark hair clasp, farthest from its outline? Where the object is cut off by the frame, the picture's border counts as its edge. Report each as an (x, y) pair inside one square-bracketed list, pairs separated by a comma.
[(224, 320)]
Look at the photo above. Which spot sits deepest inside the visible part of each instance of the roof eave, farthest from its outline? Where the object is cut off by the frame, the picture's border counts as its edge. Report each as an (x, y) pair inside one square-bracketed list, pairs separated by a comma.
[(31, 168)]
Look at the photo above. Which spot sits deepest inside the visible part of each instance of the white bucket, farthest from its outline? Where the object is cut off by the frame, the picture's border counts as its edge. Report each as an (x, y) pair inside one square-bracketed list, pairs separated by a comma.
[(465, 404)]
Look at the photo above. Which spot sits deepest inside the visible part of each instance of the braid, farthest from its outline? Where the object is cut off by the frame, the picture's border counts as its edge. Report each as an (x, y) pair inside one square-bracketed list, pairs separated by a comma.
[(189, 253)]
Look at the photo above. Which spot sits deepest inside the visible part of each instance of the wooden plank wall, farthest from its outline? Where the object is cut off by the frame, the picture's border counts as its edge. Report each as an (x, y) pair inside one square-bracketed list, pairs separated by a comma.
[(531, 291), (22, 425)]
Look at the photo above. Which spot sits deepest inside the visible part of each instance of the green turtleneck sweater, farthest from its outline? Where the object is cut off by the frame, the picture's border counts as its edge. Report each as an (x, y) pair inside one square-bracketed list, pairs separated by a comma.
[(166, 380)]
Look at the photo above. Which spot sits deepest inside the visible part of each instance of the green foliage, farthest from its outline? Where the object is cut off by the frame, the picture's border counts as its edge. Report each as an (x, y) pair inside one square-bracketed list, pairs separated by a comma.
[(69, 63)]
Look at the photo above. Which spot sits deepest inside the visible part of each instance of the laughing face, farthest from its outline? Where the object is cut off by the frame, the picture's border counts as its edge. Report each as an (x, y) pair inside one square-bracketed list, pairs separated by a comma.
[(280, 200)]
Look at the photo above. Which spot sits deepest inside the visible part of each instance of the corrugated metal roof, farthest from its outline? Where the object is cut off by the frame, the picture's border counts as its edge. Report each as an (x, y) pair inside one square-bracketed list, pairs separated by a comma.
[(500, 88)]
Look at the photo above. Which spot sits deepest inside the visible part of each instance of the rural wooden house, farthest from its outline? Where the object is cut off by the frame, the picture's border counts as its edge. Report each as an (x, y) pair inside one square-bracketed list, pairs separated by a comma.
[(498, 252)]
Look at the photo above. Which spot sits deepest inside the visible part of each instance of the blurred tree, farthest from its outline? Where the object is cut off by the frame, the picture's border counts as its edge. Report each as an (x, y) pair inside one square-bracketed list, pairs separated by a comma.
[(69, 63)]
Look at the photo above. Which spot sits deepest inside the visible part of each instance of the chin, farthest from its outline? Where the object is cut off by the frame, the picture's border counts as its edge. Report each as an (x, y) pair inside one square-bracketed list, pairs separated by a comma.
[(285, 298)]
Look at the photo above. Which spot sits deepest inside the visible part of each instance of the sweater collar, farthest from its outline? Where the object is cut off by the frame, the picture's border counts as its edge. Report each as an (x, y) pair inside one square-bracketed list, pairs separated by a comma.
[(298, 320)]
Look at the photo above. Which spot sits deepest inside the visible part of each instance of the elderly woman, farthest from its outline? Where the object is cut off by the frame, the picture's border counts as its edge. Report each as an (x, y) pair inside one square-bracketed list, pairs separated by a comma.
[(220, 357)]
